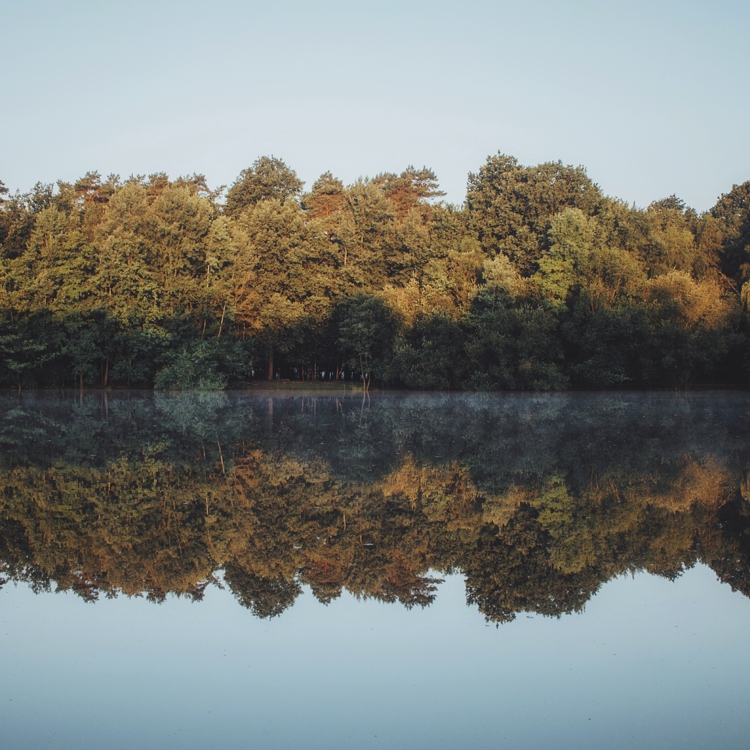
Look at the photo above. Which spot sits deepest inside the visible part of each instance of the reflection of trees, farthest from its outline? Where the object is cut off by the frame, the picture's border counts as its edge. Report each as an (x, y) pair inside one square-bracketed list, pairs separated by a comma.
[(727, 550), (509, 571), (264, 597), (537, 500)]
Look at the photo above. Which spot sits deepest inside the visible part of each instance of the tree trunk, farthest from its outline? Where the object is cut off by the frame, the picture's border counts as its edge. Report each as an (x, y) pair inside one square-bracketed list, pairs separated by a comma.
[(270, 361), (221, 322)]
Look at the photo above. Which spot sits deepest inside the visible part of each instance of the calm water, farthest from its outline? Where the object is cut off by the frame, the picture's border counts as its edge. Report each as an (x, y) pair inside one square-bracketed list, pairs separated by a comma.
[(405, 571)]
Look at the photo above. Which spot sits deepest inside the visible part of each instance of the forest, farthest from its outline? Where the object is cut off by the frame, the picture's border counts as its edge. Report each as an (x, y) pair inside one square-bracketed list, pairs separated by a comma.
[(538, 282)]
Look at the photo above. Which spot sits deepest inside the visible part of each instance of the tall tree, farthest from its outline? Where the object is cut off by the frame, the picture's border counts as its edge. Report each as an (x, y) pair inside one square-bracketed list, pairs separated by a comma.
[(510, 206), (326, 198), (367, 329), (409, 189), (267, 178), (670, 230), (275, 305), (732, 211), (364, 239)]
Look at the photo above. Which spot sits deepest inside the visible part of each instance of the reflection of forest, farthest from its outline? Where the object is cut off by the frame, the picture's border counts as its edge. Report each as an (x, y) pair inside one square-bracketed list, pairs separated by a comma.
[(537, 500)]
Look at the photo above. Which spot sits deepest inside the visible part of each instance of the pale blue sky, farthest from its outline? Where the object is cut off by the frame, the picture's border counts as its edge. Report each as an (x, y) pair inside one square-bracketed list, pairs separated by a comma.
[(651, 97)]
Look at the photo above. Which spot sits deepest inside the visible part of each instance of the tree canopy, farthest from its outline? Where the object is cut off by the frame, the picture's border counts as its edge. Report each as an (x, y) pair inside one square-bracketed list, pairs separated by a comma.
[(538, 282)]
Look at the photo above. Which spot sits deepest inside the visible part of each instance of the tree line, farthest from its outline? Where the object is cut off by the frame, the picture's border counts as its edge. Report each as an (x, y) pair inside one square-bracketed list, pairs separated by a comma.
[(539, 281)]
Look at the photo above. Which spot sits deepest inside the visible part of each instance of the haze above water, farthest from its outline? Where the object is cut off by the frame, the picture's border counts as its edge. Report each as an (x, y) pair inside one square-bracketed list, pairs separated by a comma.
[(294, 571)]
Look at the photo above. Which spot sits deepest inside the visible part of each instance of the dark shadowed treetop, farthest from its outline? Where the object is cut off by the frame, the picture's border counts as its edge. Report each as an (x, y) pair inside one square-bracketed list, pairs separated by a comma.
[(198, 185), (732, 211), (90, 189), (268, 178)]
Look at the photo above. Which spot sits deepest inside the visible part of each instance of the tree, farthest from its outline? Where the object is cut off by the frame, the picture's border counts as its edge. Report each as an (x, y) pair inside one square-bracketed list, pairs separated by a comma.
[(22, 349), (18, 216), (274, 305), (366, 332), (580, 263), (88, 340), (670, 230), (268, 178), (513, 347), (690, 326), (732, 211), (177, 227), (409, 189), (431, 354), (326, 197), (510, 206), (364, 238)]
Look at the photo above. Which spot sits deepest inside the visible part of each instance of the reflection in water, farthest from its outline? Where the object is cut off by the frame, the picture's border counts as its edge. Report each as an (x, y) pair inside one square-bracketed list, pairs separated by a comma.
[(537, 500)]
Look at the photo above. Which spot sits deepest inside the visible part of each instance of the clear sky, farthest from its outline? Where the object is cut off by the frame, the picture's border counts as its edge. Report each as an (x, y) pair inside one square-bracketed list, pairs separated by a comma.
[(650, 96)]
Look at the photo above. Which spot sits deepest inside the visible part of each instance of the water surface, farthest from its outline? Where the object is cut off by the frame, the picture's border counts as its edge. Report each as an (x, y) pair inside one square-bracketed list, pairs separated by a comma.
[(421, 571)]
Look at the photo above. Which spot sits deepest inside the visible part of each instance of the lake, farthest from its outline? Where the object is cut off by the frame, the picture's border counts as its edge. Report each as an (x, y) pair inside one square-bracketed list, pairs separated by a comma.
[(313, 570)]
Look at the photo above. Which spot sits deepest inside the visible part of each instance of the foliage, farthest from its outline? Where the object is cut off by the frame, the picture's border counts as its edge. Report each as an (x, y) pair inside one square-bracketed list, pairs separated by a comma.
[(268, 178), (538, 282), (510, 206), (142, 494), (366, 330)]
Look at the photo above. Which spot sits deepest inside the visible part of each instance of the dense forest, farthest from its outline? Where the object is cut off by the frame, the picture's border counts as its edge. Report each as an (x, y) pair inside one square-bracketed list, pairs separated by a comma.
[(538, 282), (536, 499)]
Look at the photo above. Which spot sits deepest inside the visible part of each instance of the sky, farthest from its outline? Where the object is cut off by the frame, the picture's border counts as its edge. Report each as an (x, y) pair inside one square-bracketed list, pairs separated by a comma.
[(650, 97)]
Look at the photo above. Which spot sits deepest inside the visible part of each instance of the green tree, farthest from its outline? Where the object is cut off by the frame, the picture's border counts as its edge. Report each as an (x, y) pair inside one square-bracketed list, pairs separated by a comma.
[(431, 354), (89, 338), (581, 263), (176, 232), (513, 347), (670, 230), (18, 215), (282, 293), (732, 212), (690, 327), (510, 206), (268, 178), (23, 351), (364, 237), (366, 332)]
